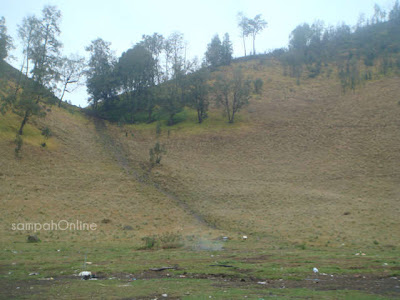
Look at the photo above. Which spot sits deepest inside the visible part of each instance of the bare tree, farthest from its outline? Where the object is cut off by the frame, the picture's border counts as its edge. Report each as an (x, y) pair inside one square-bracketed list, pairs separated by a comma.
[(243, 23), (71, 70), (255, 26)]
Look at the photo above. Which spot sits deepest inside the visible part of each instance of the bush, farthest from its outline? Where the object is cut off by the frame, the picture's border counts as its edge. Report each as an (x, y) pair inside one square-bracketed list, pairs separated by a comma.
[(258, 83), (179, 117), (149, 242), (33, 239), (170, 240), (156, 153)]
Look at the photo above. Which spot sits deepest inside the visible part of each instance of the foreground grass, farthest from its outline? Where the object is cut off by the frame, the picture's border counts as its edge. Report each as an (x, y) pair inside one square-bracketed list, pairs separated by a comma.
[(230, 273)]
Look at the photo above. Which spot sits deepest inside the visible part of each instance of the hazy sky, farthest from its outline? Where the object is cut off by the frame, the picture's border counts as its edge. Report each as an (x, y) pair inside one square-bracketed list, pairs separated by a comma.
[(123, 22)]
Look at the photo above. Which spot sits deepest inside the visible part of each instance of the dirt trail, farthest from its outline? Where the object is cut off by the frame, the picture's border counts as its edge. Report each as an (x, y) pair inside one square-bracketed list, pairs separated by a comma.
[(118, 153)]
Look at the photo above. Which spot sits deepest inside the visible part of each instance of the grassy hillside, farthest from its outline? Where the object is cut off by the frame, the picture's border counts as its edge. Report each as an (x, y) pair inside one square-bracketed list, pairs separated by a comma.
[(305, 163), (308, 173)]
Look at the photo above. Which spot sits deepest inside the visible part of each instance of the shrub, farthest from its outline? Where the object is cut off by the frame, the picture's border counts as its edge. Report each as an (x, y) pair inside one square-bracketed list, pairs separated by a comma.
[(170, 240), (156, 153), (33, 239), (149, 242), (258, 83)]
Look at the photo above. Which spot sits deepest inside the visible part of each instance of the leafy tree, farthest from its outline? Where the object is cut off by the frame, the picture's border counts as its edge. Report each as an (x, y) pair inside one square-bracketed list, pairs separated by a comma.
[(155, 45), (226, 51), (101, 84), (219, 54), (70, 72), (27, 34), (232, 93), (46, 47), (171, 100), (172, 94), (254, 27), (214, 52), (300, 38), (43, 51), (379, 14), (243, 23), (6, 42), (198, 93), (177, 48), (136, 69), (394, 14)]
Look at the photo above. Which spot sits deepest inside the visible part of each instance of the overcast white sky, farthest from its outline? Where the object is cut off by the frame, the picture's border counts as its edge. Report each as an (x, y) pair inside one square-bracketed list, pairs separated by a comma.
[(123, 22)]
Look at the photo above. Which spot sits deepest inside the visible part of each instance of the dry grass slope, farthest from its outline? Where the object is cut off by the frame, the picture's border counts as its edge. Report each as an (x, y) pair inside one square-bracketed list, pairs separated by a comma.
[(304, 164)]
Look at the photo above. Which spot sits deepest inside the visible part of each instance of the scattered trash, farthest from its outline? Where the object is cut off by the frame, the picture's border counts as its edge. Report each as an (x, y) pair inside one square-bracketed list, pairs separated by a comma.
[(182, 276), (385, 264), (164, 295), (33, 273), (262, 282), (13, 251), (58, 250), (360, 253), (244, 237), (18, 287), (315, 270), (225, 238), (89, 263), (49, 278), (85, 275)]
